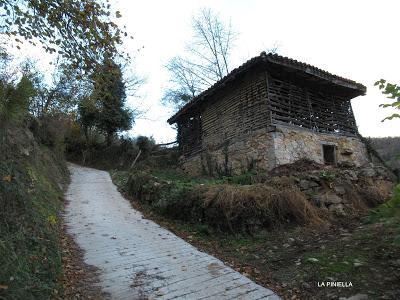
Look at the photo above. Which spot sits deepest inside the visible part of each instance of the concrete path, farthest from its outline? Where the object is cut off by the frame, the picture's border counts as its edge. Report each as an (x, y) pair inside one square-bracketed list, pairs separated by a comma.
[(137, 258)]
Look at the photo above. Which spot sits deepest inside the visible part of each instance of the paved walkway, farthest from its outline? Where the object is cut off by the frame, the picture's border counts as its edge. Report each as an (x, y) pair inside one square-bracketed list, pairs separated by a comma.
[(137, 258)]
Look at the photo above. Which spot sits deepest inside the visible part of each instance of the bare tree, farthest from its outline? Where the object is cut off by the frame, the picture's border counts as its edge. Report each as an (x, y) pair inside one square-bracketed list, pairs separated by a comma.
[(61, 95), (206, 58)]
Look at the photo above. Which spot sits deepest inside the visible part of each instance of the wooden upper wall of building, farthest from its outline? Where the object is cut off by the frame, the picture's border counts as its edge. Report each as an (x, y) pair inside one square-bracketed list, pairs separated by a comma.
[(268, 90)]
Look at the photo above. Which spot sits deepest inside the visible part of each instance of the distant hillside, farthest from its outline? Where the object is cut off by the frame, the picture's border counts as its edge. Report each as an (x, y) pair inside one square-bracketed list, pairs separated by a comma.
[(389, 149)]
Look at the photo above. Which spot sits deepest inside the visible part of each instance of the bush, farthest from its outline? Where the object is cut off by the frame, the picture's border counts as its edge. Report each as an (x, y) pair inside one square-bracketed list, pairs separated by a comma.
[(145, 144), (50, 130), (223, 206), (250, 206), (389, 214), (254, 200), (14, 99), (389, 209)]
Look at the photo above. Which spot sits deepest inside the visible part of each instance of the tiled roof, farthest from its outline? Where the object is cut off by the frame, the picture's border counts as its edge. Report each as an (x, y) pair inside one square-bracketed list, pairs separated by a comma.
[(275, 59)]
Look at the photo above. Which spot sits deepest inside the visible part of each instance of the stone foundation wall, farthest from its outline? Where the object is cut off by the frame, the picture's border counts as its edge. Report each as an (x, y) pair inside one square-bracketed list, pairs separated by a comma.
[(293, 144), (264, 150), (251, 151)]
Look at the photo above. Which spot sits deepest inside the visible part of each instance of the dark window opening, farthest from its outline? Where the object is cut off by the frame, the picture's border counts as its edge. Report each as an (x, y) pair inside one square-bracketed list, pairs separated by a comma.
[(189, 134), (329, 154)]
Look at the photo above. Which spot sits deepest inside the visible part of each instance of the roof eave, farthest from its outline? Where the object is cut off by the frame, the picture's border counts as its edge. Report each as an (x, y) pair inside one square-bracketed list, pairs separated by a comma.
[(355, 89)]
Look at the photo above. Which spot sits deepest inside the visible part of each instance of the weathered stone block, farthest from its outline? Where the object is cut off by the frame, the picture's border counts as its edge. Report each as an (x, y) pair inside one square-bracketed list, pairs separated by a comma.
[(339, 190), (337, 208)]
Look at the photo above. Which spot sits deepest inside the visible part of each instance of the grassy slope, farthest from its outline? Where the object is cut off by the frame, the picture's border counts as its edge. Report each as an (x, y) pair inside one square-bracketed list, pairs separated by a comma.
[(292, 260), (30, 201), (365, 252)]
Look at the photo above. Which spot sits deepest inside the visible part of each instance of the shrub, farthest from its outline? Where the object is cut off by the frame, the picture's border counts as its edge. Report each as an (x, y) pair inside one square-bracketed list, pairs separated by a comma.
[(145, 144), (245, 178), (249, 206), (369, 193), (223, 206), (50, 130), (389, 213), (389, 209)]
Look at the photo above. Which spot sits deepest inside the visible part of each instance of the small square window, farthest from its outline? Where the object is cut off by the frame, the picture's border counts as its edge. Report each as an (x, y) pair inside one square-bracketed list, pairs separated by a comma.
[(329, 154)]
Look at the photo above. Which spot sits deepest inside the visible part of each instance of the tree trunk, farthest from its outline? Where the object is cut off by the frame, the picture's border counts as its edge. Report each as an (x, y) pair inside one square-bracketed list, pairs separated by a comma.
[(109, 138)]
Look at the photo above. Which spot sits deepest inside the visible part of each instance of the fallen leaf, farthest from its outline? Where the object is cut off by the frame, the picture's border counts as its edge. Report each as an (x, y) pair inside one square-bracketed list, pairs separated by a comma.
[(7, 178)]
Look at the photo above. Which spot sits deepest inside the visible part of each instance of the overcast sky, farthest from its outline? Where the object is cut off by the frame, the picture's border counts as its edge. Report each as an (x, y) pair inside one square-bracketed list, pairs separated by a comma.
[(354, 39)]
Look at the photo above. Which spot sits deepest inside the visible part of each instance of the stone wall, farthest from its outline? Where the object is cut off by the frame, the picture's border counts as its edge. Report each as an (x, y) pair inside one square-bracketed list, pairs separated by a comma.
[(251, 151), (292, 144), (264, 150)]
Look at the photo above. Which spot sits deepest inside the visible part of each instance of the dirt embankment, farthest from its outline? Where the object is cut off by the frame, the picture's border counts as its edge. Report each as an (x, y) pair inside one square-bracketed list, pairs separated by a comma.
[(31, 182), (294, 194), (251, 222), (38, 259)]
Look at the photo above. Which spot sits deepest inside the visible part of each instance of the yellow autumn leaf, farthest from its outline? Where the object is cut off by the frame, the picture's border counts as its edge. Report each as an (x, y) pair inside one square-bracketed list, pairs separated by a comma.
[(52, 219), (7, 178)]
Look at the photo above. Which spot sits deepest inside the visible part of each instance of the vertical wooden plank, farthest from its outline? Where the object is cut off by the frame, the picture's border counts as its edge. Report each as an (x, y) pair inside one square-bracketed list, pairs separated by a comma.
[(310, 110), (267, 83)]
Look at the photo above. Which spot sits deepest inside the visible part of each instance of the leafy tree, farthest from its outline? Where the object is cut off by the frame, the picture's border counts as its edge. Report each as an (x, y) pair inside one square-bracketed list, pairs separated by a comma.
[(87, 113), (15, 95), (15, 99), (80, 31), (145, 145), (393, 92), (105, 108), (207, 58), (63, 94)]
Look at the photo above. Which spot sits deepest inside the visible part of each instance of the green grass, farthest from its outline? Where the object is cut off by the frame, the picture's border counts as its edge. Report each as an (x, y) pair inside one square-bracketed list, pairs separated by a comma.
[(180, 177), (334, 263), (388, 213), (328, 176), (162, 190)]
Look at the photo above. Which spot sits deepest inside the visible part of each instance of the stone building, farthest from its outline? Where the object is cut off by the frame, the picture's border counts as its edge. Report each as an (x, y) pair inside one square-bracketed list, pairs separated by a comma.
[(270, 111)]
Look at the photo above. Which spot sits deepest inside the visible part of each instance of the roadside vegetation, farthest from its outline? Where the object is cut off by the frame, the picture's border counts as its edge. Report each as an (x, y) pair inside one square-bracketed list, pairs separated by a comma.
[(272, 229), (287, 231), (250, 201), (38, 260), (31, 178)]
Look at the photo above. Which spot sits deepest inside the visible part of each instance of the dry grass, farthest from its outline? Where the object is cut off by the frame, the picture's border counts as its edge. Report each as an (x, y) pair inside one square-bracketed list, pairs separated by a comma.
[(237, 206), (368, 195), (257, 205), (376, 192)]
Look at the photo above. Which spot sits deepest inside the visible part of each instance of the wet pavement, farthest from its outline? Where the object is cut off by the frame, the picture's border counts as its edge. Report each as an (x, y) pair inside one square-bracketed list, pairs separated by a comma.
[(137, 258)]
